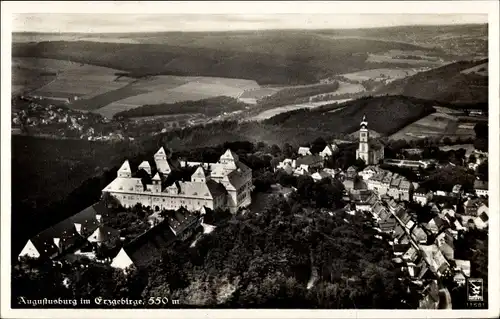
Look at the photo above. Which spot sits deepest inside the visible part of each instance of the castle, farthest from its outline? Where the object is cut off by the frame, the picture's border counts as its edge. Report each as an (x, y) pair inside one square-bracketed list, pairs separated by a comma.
[(369, 151), (226, 184)]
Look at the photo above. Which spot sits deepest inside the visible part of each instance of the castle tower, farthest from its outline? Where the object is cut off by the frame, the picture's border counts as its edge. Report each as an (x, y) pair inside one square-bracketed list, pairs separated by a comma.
[(156, 183), (125, 170), (161, 161), (363, 151)]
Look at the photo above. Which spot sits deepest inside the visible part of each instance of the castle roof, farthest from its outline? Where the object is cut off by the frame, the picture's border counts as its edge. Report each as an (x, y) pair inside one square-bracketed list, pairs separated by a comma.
[(125, 167), (229, 155), (161, 152)]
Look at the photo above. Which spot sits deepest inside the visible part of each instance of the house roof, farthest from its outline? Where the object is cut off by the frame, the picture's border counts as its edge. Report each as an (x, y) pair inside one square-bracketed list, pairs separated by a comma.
[(180, 220), (87, 218), (420, 191), (103, 234), (216, 189), (483, 185), (124, 184), (148, 246), (157, 177), (464, 266), (145, 165), (309, 160), (303, 149)]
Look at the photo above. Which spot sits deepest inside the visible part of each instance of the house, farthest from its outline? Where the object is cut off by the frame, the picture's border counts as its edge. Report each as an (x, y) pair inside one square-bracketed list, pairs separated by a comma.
[(362, 199), (145, 248), (303, 151), (463, 266), (435, 225), (400, 249), (419, 235), (313, 162), (459, 279), (422, 196), (320, 175), (351, 172), (411, 254), (430, 296), (471, 207), (104, 235), (329, 150), (178, 225), (66, 235), (368, 172), (481, 188), (481, 221), (435, 259), (444, 241)]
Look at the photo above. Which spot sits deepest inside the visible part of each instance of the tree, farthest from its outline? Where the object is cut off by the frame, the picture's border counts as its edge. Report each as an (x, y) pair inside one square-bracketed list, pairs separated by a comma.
[(482, 171), (318, 145), (472, 158)]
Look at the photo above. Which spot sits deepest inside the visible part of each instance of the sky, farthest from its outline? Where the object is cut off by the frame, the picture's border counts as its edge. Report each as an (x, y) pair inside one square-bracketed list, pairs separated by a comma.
[(105, 22)]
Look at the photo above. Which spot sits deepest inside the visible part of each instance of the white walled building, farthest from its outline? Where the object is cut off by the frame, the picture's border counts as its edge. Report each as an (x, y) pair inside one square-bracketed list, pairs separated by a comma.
[(227, 185), (369, 151)]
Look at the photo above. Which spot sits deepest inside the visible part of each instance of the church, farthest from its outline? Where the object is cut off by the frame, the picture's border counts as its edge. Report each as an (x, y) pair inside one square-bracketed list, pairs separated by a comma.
[(370, 151)]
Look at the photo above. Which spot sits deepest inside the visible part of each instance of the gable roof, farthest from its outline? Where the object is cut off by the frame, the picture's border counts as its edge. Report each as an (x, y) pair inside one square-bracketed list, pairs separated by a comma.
[(125, 167), (309, 160), (157, 177), (161, 152), (148, 246), (229, 155), (103, 234)]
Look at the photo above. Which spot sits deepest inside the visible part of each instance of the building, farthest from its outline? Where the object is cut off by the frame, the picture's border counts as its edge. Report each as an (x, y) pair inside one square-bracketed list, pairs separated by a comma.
[(422, 196), (225, 184), (481, 188), (303, 151), (67, 235), (369, 151), (390, 184), (415, 165), (178, 225), (329, 150)]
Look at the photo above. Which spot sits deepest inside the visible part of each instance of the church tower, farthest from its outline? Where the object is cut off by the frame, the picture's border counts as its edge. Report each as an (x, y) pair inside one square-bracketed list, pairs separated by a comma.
[(363, 151)]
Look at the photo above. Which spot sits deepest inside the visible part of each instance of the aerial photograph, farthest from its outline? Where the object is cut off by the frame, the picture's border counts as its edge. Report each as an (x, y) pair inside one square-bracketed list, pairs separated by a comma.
[(249, 161)]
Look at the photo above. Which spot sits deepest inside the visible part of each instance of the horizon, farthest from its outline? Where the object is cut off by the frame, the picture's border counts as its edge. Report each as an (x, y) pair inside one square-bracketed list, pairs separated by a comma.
[(163, 23)]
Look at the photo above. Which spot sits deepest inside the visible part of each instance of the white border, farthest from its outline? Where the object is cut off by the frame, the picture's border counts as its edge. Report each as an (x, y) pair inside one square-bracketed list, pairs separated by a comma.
[(423, 7)]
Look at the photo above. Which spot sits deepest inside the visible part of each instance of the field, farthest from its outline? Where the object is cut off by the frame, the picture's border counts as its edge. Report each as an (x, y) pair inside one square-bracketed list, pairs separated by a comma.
[(415, 58), (388, 74), (71, 79), (107, 92), (481, 69), (437, 124)]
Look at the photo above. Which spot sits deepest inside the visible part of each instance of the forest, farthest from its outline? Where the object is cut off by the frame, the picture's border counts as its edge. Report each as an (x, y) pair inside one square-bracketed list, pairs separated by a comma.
[(287, 255)]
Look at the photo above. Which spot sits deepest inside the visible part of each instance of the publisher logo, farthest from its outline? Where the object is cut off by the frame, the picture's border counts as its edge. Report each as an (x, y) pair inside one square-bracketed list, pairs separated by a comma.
[(475, 289)]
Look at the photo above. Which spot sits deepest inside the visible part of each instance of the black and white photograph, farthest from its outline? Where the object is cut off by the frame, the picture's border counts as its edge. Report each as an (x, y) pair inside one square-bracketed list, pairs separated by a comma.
[(218, 159)]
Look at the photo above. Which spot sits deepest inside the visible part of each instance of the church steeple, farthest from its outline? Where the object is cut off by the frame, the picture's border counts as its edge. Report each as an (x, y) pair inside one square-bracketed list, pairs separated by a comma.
[(364, 123)]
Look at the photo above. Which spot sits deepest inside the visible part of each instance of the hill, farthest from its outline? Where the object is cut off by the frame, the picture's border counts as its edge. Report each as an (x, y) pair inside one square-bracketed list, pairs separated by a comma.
[(385, 115), (448, 84), (266, 57)]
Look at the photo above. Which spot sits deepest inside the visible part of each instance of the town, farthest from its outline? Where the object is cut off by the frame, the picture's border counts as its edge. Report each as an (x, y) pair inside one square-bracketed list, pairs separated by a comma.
[(159, 206)]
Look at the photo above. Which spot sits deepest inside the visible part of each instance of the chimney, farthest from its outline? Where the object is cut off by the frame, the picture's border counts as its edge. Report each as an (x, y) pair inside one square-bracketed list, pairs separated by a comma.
[(78, 228), (98, 217)]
